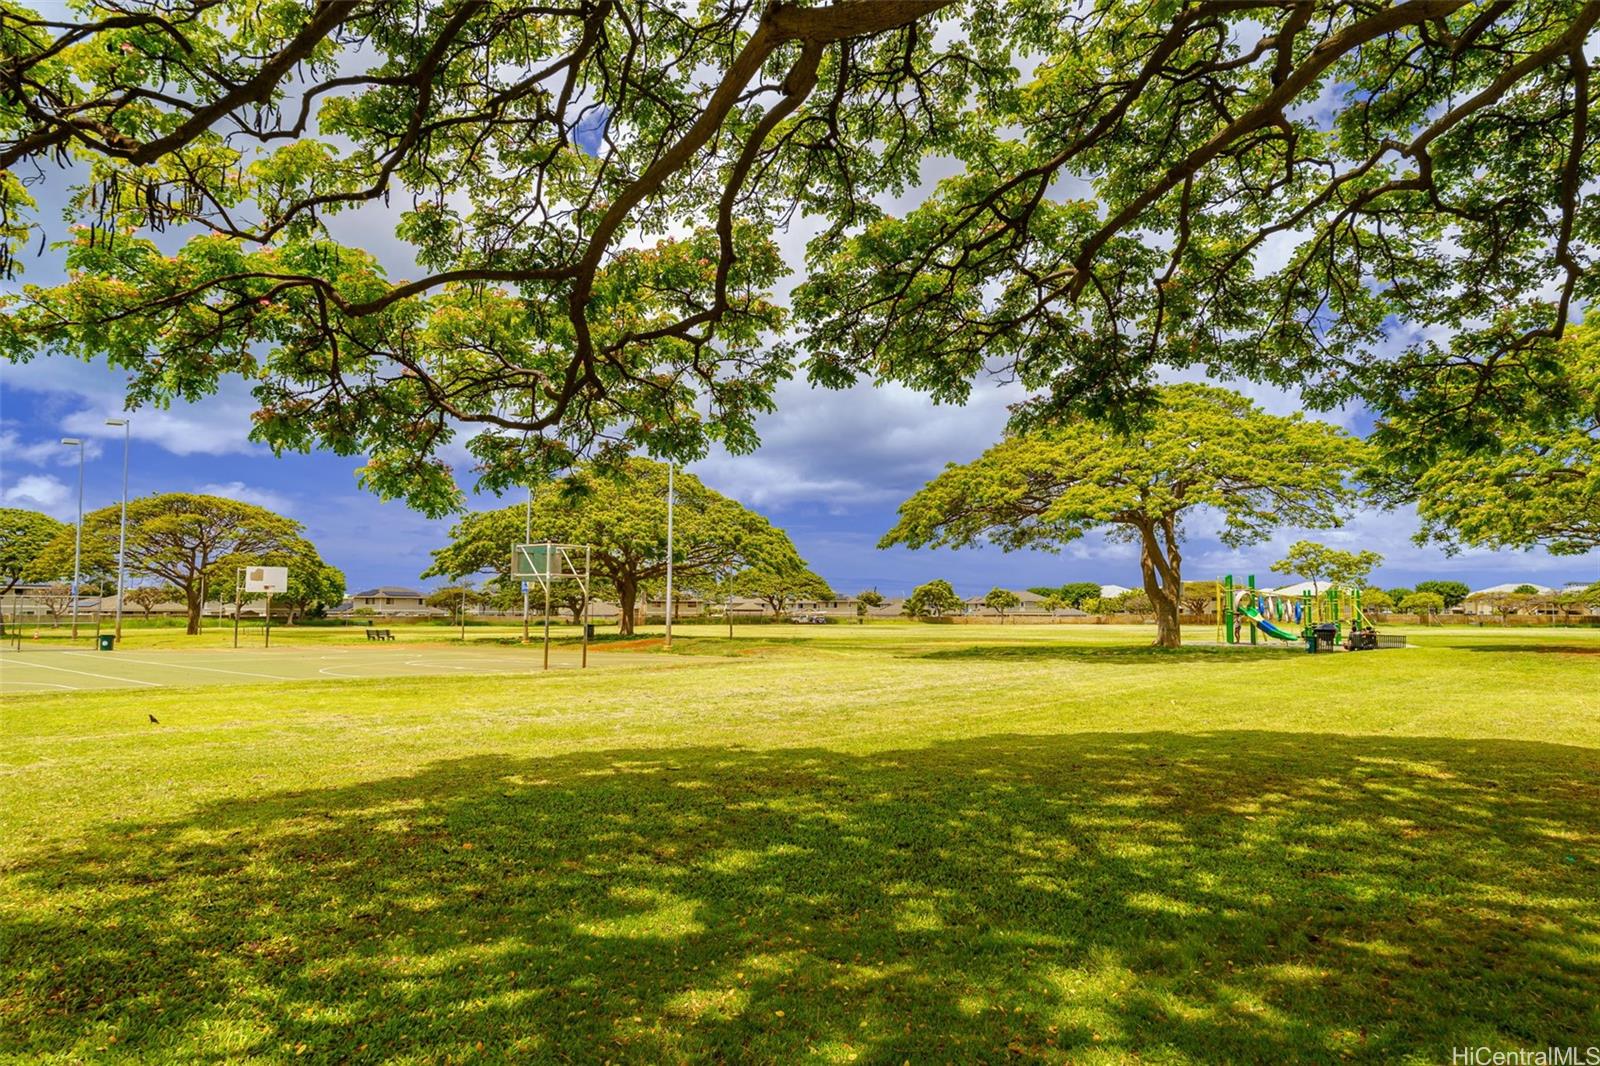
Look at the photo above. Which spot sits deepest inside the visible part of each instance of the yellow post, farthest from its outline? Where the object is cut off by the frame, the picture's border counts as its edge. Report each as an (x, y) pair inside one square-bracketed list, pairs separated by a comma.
[(1219, 611)]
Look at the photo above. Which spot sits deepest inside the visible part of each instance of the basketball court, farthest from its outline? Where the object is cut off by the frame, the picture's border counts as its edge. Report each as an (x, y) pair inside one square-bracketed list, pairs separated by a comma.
[(80, 669)]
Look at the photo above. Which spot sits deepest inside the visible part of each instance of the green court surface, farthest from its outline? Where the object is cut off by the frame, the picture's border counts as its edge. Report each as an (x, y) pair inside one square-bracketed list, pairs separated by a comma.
[(61, 670)]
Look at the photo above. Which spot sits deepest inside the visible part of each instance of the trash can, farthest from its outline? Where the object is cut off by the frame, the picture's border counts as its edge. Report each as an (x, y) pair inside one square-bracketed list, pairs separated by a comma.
[(108, 642), (588, 631), (1327, 635)]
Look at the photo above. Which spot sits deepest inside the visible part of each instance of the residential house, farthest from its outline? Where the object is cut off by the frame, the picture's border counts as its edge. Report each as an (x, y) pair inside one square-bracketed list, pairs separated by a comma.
[(388, 601)]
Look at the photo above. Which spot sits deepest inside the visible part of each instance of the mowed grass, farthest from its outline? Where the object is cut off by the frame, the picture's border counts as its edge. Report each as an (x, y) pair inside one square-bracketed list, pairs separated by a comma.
[(871, 844)]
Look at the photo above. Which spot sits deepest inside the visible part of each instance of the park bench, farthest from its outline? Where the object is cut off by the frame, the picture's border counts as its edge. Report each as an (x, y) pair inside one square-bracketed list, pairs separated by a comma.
[(379, 634)]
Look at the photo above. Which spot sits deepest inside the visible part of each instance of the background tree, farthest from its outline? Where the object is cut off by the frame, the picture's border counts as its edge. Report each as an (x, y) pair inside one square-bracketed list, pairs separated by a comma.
[(180, 538), (314, 586), (1205, 447), (1072, 594), (1133, 601), (777, 588), (1322, 565), (620, 511), (933, 600), (55, 598), (1000, 601), (147, 597), (526, 165), (1199, 597), (866, 601), (24, 535), (1451, 593), (1399, 593), (1377, 601), (1423, 604), (457, 598), (1506, 604)]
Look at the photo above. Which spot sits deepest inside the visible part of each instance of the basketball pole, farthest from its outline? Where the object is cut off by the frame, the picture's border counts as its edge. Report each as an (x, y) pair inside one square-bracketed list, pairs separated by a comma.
[(527, 536), (668, 642), (547, 580)]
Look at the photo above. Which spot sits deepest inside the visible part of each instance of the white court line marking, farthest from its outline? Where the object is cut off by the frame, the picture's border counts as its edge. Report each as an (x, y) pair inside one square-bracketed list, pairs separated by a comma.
[(38, 684), (88, 673), (192, 666)]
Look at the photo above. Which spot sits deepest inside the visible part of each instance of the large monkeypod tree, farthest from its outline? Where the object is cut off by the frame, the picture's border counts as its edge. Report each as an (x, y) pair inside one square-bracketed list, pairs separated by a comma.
[(1352, 198), (621, 513), (185, 540), (1203, 447)]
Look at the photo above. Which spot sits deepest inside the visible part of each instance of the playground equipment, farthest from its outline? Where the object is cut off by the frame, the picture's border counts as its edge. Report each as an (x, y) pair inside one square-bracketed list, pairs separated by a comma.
[(1320, 620)]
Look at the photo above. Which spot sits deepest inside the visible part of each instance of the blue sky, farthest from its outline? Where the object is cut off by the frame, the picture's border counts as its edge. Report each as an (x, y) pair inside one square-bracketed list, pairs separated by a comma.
[(832, 470)]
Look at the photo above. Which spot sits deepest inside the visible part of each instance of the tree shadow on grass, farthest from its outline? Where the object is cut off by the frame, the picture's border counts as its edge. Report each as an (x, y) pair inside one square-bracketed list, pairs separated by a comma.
[(1102, 653), (1238, 896), (1551, 648)]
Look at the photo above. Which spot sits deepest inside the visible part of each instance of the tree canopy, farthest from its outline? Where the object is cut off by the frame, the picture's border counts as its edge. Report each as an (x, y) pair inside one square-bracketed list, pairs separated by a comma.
[(621, 513), (1531, 479), (1450, 593), (1322, 565), (181, 538), (24, 535), (1424, 603), (1206, 447), (1391, 202), (778, 588), (314, 585), (935, 599), (1001, 600)]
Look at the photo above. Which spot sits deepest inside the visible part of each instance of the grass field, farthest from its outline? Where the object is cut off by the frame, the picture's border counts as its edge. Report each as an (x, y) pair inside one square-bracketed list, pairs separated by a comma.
[(871, 844)]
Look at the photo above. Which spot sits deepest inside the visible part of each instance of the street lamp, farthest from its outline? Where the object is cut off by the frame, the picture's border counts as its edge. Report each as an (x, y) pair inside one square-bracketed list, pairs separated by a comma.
[(77, 534), (122, 538)]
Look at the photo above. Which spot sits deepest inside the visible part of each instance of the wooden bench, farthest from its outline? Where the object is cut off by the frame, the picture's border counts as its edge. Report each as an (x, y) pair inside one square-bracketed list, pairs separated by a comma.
[(379, 634)]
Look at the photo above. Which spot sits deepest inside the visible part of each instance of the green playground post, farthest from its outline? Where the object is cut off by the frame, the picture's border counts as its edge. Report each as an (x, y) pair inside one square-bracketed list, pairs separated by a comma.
[(1227, 609), (1251, 580)]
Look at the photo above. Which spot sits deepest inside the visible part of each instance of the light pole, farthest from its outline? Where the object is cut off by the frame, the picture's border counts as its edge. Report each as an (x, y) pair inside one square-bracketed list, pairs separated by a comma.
[(668, 642), (77, 534), (122, 537)]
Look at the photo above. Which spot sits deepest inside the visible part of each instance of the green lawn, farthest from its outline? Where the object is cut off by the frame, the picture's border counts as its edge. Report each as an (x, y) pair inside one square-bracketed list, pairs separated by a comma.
[(873, 844)]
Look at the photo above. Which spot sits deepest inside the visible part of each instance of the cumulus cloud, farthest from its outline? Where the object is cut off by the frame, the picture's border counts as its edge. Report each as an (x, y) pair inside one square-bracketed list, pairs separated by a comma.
[(81, 396), (238, 490), (863, 445), (41, 492), (48, 451)]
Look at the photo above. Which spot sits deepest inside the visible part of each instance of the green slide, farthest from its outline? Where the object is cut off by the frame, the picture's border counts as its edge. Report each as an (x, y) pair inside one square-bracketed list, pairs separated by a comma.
[(1266, 625)]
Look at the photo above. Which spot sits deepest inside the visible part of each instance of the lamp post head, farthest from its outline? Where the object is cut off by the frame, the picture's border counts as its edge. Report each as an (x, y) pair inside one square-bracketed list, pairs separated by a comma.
[(116, 421), (69, 441)]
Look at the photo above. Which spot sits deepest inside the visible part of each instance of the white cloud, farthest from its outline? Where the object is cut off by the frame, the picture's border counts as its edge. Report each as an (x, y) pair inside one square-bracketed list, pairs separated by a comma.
[(41, 492), (238, 490), (217, 424), (863, 445), (47, 452)]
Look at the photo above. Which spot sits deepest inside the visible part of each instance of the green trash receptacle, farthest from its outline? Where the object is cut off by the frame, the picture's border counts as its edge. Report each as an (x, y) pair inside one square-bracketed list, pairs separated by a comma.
[(107, 642)]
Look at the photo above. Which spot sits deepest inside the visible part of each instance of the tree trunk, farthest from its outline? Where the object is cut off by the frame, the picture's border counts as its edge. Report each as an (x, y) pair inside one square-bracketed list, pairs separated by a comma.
[(191, 598), (1163, 581), (627, 595)]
